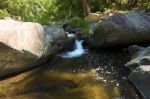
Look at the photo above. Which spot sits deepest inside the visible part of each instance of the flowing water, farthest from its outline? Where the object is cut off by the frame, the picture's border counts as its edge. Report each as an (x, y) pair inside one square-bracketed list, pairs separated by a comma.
[(78, 50), (97, 75)]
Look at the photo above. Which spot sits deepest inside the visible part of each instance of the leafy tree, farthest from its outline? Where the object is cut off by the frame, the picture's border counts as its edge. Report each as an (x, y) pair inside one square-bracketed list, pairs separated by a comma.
[(44, 11)]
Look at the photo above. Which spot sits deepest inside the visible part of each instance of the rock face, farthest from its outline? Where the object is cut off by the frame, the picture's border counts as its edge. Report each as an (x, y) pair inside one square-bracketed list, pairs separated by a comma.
[(140, 66), (121, 29), (25, 44)]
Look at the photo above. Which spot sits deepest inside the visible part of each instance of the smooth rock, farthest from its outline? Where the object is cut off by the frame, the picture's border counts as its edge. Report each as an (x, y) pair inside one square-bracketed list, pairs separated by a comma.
[(121, 29), (141, 80), (24, 45)]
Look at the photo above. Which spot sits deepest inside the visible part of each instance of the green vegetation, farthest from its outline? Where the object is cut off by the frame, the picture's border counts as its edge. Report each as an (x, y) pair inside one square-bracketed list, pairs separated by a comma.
[(4, 13), (78, 22), (44, 11), (29, 10)]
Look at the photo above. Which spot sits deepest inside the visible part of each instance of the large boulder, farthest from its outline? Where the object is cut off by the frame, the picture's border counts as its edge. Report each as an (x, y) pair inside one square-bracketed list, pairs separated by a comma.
[(121, 29), (140, 69), (24, 45)]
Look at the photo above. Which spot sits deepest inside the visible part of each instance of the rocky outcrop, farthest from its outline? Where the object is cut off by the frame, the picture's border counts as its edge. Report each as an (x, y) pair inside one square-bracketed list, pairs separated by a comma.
[(121, 29), (24, 45), (140, 66)]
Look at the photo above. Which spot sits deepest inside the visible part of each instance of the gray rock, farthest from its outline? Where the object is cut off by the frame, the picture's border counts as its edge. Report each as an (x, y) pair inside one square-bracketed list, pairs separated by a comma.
[(140, 75), (134, 48), (121, 29), (141, 80), (24, 45), (141, 57)]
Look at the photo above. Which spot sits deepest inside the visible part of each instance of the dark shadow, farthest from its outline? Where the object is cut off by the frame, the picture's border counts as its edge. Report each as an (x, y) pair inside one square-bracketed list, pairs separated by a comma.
[(9, 58)]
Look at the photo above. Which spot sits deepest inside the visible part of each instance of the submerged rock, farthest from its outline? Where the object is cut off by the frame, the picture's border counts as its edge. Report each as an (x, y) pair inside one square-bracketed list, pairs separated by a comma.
[(121, 29), (24, 45)]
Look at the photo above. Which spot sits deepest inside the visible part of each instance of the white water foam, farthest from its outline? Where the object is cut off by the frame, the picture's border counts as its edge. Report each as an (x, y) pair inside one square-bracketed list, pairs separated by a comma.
[(77, 52)]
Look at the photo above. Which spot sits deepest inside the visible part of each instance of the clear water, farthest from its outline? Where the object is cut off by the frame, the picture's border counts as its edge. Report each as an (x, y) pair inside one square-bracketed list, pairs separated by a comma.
[(94, 75), (98, 75)]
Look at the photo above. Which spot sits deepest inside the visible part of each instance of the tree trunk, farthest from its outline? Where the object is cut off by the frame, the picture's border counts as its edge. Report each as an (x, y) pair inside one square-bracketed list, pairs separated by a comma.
[(132, 3), (86, 7)]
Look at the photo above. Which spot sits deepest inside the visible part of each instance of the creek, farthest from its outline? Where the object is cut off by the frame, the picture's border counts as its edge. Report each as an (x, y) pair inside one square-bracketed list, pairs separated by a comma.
[(79, 75)]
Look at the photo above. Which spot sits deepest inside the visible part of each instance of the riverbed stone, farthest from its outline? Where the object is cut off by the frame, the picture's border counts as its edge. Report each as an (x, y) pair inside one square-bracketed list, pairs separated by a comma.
[(24, 45), (121, 29)]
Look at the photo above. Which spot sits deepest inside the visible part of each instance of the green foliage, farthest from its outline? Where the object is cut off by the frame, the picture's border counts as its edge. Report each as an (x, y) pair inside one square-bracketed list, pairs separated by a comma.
[(78, 22), (144, 4), (44, 11), (68, 7), (4, 13), (30, 10)]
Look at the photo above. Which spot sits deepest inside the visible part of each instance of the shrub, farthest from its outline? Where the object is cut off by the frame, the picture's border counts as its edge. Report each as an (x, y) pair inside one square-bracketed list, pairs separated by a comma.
[(4, 13), (78, 22)]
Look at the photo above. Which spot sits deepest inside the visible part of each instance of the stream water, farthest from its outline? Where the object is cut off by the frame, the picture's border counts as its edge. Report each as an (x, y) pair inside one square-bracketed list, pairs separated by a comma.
[(78, 50), (91, 75), (96, 75)]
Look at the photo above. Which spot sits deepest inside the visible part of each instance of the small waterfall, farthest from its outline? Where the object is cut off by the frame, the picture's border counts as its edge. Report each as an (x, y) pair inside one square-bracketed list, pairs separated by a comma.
[(78, 51)]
